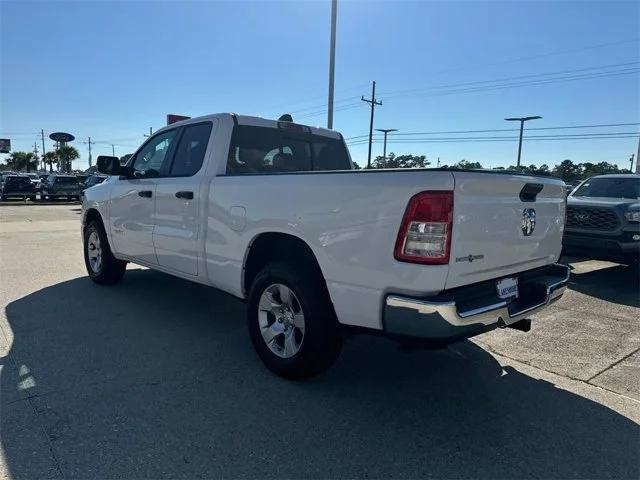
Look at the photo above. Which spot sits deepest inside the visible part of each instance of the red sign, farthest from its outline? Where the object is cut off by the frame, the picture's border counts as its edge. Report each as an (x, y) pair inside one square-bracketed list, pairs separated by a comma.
[(171, 118)]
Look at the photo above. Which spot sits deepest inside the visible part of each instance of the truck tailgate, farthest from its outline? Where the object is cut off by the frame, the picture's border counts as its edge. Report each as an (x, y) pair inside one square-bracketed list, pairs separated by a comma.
[(502, 226)]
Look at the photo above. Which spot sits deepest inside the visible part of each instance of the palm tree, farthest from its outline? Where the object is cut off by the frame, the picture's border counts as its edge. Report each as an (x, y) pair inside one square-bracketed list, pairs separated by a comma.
[(22, 161), (50, 158), (66, 155)]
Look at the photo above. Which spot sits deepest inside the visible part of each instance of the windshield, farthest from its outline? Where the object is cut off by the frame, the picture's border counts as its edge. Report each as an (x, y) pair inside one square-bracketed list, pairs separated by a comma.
[(610, 188)]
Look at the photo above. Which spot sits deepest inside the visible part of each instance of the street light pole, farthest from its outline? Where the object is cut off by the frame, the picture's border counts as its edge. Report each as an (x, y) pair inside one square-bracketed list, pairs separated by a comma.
[(385, 131), (521, 120), (332, 62)]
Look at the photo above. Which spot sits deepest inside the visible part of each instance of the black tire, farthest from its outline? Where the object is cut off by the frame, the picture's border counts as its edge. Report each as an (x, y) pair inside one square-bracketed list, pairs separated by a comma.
[(32, 198), (44, 197), (322, 339), (3, 197), (111, 270)]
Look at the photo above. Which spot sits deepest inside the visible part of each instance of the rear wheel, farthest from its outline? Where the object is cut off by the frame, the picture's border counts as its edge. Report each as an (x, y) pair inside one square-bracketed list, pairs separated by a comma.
[(101, 265), (291, 322)]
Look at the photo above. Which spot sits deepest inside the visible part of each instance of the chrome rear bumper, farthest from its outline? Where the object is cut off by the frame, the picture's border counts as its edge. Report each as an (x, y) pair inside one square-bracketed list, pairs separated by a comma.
[(449, 319)]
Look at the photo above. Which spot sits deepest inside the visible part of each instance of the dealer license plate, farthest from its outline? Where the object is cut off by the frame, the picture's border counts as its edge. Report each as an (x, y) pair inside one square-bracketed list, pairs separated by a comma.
[(507, 288)]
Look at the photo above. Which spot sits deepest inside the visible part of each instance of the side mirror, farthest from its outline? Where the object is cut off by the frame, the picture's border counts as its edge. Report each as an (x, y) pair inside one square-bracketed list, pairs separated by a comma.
[(109, 165)]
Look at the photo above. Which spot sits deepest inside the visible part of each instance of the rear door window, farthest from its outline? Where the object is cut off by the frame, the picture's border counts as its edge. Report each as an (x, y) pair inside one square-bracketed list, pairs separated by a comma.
[(259, 150), (190, 150)]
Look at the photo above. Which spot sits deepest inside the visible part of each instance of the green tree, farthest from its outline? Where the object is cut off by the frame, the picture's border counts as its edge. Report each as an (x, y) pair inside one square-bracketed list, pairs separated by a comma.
[(532, 169), (602, 168), (568, 171), (50, 158), (22, 161), (66, 155), (400, 161), (466, 165)]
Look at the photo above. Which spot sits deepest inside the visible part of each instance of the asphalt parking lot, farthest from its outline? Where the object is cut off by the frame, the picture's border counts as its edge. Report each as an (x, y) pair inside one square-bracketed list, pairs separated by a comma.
[(156, 377)]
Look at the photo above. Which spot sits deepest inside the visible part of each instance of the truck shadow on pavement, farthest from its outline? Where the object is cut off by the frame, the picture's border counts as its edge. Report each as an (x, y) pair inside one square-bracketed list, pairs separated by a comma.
[(616, 284), (156, 377)]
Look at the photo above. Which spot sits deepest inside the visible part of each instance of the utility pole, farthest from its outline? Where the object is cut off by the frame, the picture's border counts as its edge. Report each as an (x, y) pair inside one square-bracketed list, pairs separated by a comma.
[(631, 163), (438, 162), (113, 150), (42, 134), (638, 156), (332, 62), (89, 143), (373, 102), (384, 149), (35, 151), (150, 132), (521, 120)]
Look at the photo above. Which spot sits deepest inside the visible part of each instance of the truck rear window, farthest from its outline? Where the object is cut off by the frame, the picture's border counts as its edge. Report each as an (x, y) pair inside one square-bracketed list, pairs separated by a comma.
[(273, 150)]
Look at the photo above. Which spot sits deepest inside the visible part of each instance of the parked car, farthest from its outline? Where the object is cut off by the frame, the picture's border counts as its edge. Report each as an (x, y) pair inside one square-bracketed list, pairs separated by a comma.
[(272, 212), (91, 181), (82, 178), (35, 179), (17, 186), (603, 219), (7, 173), (58, 186)]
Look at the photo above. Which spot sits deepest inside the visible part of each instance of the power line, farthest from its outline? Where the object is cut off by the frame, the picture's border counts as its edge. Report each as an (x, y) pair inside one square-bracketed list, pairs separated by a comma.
[(505, 79), (599, 125), (503, 86), (543, 55), (600, 136), (499, 86)]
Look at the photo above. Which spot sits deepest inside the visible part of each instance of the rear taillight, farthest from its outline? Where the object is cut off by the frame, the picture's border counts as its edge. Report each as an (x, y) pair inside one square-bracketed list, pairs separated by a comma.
[(425, 232)]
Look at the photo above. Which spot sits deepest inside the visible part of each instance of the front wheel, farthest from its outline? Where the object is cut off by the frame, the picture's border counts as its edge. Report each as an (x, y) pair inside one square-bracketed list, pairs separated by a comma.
[(291, 322), (101, 265)]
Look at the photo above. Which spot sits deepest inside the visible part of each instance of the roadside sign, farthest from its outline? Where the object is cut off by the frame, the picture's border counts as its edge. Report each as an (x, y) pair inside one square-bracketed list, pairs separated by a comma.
[(62, 137), (5, 145)]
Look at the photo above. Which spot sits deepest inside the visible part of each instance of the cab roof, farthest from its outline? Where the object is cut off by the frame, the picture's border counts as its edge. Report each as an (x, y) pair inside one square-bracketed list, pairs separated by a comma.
[(256, 122), (618, 175)]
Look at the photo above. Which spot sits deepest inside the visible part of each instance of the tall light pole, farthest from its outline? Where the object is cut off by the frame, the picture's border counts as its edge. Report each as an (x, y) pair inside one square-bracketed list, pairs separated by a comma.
[(385, 131), (521, 120), (332, 62)]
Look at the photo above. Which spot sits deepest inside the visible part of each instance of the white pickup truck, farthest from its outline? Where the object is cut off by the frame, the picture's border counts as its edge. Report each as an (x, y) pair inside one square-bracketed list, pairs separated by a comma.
[(273, 213)]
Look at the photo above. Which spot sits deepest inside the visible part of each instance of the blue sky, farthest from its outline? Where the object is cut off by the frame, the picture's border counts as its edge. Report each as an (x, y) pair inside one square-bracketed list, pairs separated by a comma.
[(110, 70)]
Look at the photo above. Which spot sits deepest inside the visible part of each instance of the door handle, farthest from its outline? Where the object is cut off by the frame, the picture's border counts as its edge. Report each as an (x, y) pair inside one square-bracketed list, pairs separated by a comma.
[(145, 193), (185, 195)]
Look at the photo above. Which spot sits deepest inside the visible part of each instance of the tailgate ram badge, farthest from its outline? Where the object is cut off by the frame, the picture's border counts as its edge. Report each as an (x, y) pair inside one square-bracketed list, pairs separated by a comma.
[(528, 221)]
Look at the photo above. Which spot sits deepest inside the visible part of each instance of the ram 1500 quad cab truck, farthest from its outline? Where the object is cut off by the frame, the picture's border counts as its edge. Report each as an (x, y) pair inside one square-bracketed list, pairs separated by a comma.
[(273, 213)]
